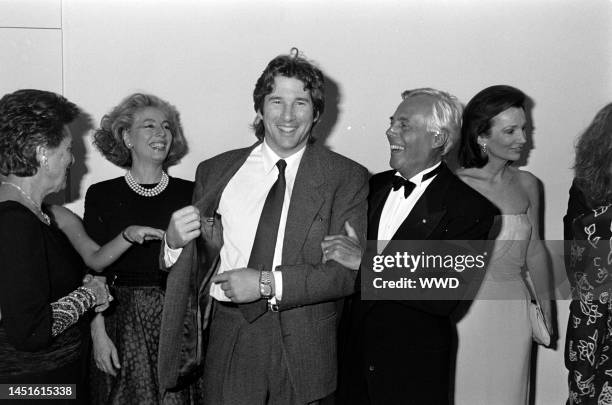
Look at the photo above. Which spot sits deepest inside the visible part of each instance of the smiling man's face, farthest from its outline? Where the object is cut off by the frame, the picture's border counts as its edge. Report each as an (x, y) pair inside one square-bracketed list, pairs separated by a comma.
[(411, 144), (288, 116)]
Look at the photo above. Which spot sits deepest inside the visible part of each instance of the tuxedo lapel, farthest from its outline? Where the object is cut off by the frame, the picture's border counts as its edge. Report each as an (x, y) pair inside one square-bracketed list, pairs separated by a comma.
[(423, 219), (306, 201), (428, 211)]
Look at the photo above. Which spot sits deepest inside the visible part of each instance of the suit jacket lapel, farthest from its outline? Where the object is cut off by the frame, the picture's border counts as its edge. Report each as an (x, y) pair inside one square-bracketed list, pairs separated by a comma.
[(376, 201), (428, 211), (187, 278), (209, 202), (306, 201), (211, 238)]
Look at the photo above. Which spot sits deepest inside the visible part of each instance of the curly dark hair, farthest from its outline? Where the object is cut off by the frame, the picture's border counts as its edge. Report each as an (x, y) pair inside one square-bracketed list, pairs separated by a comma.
[(478, 116), (593, 164), (109, 137), (291, 66), (30, 118)]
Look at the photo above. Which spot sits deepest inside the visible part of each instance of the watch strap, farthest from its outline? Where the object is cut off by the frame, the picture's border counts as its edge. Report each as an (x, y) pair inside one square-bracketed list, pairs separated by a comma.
[(265, 284)]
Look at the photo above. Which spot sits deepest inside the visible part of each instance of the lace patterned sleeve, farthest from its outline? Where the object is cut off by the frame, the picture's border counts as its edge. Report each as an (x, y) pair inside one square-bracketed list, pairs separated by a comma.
[(67, 310)]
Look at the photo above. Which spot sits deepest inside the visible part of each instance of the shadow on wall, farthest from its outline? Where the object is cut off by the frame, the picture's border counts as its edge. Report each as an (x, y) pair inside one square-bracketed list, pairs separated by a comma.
[(529, 145), (523, 161), (325, 127), (80, 128)]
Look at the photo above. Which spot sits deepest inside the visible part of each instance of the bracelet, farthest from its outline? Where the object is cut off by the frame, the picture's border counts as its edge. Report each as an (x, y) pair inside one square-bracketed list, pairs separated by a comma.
[(91, 296), (126, 238)]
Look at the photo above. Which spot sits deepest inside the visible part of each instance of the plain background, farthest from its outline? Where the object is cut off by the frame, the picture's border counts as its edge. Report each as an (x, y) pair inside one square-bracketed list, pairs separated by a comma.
[(205, 56)]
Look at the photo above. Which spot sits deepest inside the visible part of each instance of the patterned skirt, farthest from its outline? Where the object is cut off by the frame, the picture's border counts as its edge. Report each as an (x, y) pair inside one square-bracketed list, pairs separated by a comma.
[(133, 325)]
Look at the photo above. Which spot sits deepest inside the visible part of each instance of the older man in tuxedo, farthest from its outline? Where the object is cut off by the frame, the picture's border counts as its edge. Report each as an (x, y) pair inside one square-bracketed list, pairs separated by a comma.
[(251, 247), (400, 350)]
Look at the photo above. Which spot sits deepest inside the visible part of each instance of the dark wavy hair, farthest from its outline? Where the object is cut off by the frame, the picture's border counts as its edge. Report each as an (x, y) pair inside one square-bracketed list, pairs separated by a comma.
[(477, 119), (593, 164), (28, 119), (109, 137), (291, 66)]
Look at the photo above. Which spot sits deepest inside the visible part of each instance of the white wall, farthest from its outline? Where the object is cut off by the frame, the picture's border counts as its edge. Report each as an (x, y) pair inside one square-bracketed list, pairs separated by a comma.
[(31, 49), (204, 57)]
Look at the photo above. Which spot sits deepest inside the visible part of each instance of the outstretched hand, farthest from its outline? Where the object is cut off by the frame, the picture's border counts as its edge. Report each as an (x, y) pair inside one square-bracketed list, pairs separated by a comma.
[(139, 234), (344, 249)]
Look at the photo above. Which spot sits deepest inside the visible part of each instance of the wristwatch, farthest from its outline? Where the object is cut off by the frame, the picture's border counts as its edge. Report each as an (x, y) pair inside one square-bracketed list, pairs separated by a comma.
[(265, 284)]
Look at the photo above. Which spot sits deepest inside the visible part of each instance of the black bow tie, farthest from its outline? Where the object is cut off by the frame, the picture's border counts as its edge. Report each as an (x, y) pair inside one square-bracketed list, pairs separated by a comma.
[(399, 182)]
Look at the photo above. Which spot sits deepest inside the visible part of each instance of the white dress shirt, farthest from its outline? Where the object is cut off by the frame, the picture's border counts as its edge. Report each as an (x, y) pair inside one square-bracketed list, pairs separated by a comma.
[(397, 208), (240, 207)]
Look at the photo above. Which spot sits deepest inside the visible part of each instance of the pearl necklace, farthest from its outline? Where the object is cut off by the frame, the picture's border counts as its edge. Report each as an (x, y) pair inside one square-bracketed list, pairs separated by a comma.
[(44, 216), (147, 192)]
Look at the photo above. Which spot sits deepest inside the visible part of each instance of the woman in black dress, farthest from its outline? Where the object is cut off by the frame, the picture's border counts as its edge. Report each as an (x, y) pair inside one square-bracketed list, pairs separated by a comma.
[(142, 134), (588, 235), (42, 331)]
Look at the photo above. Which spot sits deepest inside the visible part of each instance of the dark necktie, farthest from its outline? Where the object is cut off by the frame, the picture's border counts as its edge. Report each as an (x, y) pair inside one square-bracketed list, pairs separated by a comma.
[(262, 253), (399, 182)]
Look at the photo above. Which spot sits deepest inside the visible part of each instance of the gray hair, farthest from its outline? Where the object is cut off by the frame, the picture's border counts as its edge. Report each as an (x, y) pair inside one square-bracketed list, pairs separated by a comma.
[(445, 115)]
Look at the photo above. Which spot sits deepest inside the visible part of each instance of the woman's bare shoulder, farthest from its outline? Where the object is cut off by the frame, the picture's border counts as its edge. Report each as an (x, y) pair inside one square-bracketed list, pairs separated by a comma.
[(469, 174), (527, 180)]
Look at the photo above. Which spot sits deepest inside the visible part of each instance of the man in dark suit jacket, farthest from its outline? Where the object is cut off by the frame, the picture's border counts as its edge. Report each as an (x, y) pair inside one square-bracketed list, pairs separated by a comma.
[(272, 337), (399, 350)]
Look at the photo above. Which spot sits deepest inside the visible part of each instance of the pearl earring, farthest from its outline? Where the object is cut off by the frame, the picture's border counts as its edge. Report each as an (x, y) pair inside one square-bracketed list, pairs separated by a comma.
[(483, 148)]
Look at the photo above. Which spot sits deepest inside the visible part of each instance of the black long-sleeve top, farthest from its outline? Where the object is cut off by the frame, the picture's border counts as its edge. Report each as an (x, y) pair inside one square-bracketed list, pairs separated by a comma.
[(111, 206), (37, 267)]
